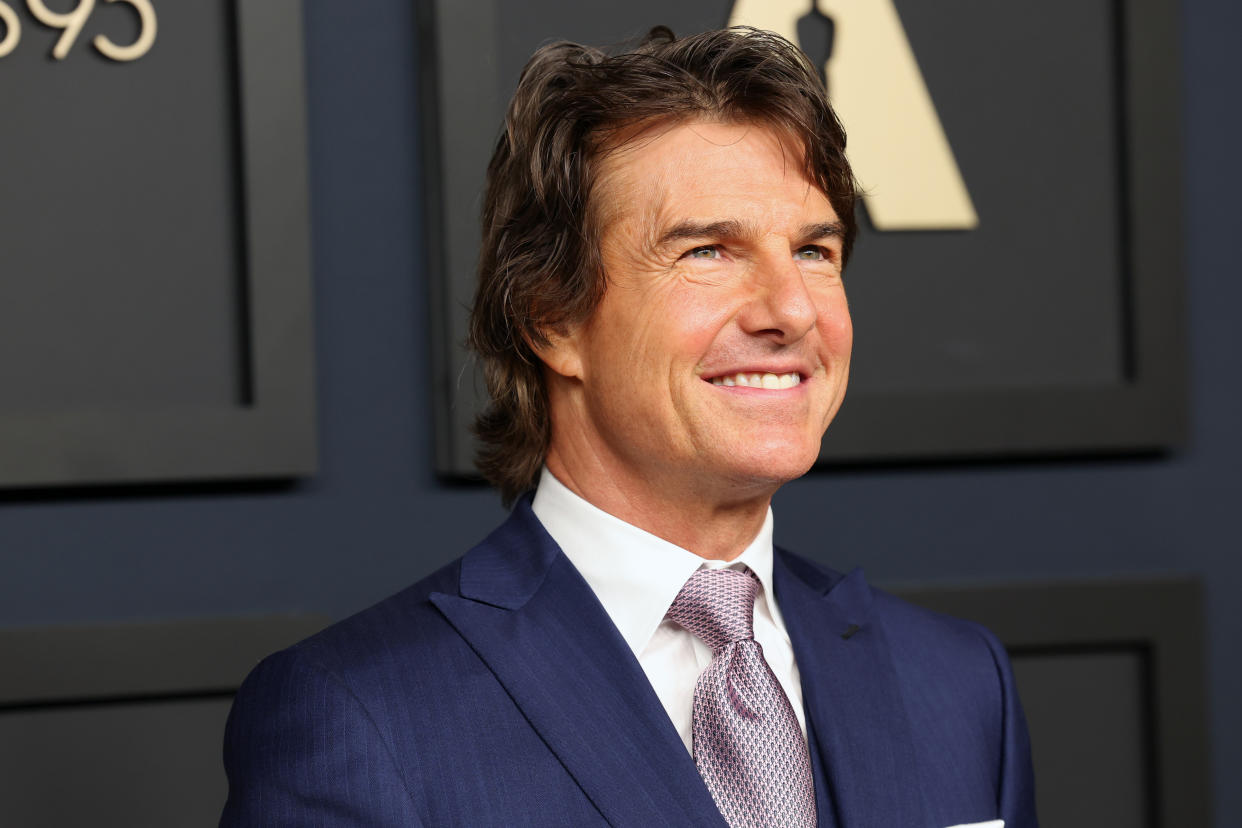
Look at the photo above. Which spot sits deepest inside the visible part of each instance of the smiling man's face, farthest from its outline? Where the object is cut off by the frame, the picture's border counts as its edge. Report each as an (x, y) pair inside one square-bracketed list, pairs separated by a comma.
[(720, 350)]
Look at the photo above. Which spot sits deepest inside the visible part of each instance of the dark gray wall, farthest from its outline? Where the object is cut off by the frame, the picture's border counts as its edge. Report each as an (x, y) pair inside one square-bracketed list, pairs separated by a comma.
[(375, 518)]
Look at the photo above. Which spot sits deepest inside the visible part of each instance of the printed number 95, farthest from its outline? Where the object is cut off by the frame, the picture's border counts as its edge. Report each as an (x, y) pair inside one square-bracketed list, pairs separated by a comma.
[(71, 23)]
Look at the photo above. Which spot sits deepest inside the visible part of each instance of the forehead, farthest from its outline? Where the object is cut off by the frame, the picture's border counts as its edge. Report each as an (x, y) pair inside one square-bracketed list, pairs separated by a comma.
[(701, 168)]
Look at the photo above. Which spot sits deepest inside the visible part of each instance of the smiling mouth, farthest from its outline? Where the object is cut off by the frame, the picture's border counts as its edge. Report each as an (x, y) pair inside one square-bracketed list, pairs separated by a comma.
[(771, 382)]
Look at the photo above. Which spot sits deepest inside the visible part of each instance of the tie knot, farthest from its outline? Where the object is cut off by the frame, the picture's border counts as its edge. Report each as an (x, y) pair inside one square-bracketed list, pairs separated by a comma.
[(717, 606)]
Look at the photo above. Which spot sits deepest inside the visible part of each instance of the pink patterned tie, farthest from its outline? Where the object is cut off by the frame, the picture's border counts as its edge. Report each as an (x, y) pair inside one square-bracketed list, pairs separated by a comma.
[(747, 743)]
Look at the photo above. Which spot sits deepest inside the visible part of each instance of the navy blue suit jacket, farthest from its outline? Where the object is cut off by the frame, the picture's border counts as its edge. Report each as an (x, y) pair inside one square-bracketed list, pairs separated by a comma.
[(498, 692)]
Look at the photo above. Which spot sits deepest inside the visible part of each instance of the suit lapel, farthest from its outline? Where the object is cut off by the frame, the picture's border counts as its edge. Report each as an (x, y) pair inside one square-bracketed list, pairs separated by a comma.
[(541, 631), (862, 747)]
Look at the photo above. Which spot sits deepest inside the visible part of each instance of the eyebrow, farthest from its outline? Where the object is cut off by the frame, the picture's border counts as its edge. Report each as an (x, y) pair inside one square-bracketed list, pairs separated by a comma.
[(732, 228), (701, 230), (826, 230)]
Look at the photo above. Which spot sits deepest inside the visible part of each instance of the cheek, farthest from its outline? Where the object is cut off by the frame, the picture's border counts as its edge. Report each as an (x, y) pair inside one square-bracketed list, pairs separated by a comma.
[(836, 329), (696, 316), (630, 354), (670, 334)]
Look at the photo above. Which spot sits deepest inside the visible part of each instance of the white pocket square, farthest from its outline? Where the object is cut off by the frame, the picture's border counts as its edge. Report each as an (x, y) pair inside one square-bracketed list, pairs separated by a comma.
[(991, 823)]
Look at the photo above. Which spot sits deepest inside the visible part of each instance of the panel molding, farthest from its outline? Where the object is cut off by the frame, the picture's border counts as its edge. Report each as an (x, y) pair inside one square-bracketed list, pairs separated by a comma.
[(1146, 411), (1162, 618), (272, 433), (92, 664)]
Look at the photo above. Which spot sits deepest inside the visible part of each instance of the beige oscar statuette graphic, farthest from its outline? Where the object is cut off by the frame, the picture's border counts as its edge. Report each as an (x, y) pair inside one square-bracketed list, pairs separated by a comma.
[(70, 24), (897, 144)]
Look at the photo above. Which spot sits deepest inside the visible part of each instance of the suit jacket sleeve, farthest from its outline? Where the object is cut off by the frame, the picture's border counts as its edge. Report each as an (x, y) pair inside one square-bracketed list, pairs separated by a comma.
[(300, 749), (1017, 776)]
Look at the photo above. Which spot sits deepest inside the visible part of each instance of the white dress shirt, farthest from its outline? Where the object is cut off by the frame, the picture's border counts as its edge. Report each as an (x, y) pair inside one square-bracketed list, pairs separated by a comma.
[(636, 576)]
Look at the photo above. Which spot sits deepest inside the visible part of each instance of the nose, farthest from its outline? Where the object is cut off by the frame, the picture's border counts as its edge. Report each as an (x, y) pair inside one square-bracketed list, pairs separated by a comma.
[(780, 308)]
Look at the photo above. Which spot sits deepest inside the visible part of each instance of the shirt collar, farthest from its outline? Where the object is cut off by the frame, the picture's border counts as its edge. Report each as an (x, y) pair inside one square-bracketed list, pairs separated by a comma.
[(635, 574)]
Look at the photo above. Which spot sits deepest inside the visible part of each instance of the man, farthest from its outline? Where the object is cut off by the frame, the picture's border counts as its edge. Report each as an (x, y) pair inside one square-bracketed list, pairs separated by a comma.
[(664, 328)]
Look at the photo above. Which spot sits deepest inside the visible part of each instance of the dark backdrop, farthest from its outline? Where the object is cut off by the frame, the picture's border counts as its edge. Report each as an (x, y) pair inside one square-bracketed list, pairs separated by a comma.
[(376, 518)]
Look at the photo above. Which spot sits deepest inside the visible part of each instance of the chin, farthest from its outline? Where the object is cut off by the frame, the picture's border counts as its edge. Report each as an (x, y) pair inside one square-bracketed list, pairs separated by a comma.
[(774, 465)]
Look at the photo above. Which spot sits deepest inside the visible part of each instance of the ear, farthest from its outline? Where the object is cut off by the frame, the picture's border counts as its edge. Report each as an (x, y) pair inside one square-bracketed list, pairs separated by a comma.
[(562, 352)]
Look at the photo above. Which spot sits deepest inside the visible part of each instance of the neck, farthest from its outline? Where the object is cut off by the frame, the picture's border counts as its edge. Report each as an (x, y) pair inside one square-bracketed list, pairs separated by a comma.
[(708, 524)]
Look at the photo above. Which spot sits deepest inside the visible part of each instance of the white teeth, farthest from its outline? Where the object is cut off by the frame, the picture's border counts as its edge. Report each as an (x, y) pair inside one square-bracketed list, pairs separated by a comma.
[(772, 382)]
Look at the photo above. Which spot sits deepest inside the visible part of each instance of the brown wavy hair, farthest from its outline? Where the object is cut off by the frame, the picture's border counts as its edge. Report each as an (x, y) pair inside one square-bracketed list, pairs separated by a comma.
[(539, 266)]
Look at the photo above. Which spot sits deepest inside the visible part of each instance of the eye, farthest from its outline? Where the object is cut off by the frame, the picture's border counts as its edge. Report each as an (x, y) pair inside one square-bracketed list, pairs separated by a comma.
[(707, 251), (812, 253)]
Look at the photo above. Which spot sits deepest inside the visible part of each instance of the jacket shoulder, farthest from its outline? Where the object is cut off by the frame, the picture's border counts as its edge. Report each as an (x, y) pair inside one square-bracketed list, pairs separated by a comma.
[(381, 633), (319, 724), (905, 624), (910, 625)]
